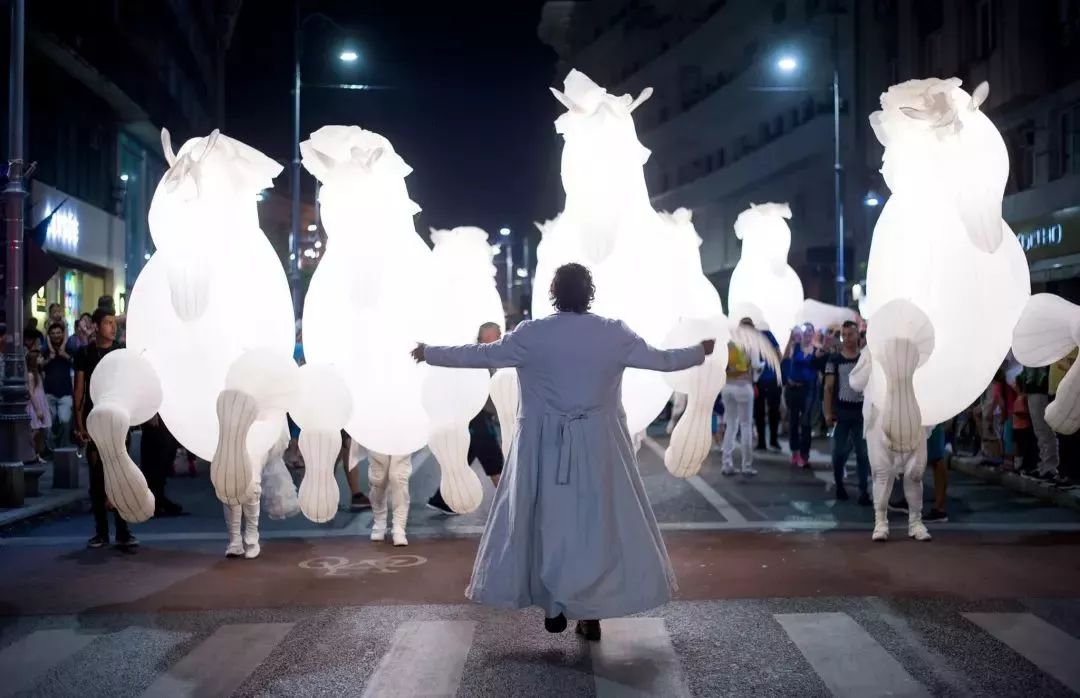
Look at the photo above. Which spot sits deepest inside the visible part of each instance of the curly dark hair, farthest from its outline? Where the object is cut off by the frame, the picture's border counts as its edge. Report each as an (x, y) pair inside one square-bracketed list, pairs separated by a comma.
[(572, 289)]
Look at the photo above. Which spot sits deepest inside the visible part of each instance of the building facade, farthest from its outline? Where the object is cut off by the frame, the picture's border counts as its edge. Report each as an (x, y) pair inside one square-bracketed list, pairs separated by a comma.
[(727, 126), (102, 79)]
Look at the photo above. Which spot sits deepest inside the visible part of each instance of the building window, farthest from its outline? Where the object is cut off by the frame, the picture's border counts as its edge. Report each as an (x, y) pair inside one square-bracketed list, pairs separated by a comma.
[(931, 53), (1070, 140), (985, 28), (779, 12), (1023, 147)]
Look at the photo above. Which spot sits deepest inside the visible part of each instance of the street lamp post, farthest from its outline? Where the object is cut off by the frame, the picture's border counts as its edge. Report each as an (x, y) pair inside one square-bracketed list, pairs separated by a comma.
[(14, 422), (788, 64), (346, 56)]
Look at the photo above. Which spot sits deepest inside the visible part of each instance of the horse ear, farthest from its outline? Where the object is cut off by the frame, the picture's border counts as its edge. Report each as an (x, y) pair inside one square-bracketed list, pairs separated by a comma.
[(166, 147), (979, 95), (645, 94), (209, 143), (566, 101)]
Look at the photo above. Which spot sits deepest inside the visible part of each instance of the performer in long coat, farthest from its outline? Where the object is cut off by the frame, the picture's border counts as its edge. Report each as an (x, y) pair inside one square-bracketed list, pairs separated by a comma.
[(571, 529)]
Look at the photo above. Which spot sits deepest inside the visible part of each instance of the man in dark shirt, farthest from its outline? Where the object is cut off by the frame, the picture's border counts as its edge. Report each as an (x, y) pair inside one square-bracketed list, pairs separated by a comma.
[(85, 362), (57, 381), (843, 413)]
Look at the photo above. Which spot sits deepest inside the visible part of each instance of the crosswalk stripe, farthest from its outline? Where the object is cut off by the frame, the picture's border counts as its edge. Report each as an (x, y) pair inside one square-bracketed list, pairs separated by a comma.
[(636, 658), (723, 506), (1046, 646), (221, 662), (846, 658), (31, 657), (426, 658)]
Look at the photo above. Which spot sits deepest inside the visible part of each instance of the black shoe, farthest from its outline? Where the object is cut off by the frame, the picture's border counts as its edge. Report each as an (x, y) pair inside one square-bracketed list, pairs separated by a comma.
[(127, 542), (97, 542), (899, 505), (865, 501), (590, 629), (935, 516), (841, 494), (359, 502), (774, 446), (556, 624), (760, 447), (437, 503)]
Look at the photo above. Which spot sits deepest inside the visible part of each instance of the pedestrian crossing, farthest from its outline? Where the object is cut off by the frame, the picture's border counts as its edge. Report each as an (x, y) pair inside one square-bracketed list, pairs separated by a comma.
[(796, 647)]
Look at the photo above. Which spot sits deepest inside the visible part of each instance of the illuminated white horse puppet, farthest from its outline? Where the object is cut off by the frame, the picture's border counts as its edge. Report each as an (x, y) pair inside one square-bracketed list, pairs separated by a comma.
[(947, 279), (368, 305), (217, 376)]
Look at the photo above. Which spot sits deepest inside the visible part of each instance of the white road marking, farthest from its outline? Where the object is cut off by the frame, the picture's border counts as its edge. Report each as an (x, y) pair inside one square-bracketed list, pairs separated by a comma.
[(219, 664), (427, 658), (846, 658), (635, 657), (1046, 646), (23, 662), (723, 506)]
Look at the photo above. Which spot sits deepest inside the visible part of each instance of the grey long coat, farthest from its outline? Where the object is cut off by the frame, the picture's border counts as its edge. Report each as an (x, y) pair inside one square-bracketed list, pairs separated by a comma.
[(571, 529)]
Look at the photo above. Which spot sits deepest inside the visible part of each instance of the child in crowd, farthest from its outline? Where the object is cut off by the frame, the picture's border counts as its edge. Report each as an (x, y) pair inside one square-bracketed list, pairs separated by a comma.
[(37, 407)]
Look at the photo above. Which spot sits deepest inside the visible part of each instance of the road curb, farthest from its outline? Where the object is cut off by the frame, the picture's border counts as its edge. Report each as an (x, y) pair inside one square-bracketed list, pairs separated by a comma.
[(970, 466)]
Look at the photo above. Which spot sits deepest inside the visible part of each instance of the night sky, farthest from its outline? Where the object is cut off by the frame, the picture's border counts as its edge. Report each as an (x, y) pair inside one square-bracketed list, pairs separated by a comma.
[(467, 104)]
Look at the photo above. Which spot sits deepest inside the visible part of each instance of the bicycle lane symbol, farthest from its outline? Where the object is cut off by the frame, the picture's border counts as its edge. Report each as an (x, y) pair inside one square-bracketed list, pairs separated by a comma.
[(343, 567)]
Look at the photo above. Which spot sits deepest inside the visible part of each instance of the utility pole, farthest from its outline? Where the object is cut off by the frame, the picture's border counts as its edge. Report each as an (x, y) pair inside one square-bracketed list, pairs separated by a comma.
[(14, 422)]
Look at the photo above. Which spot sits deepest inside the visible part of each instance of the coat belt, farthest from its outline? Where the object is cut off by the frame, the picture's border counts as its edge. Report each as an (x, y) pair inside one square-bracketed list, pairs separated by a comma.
[(569, 441)]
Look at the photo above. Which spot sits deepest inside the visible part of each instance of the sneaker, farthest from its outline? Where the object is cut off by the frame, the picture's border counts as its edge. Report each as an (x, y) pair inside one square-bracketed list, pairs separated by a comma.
[(899, 505), (128, 541), (760, 447), (359, 502), (439, 504), (749, 471), (841, 494), (1065, 483), (918, 532), (1048, 478), (775, 446), (865, 501), (795, 460), (399, 539), (378, 534), (97, 542), (727, 470), (935, 516)]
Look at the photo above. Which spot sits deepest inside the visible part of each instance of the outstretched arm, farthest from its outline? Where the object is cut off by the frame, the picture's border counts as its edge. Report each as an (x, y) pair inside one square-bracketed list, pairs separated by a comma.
[(640, 354), (507, 352)]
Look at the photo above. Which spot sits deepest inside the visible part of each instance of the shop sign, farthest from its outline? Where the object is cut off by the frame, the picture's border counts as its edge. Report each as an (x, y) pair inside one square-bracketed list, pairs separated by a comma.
[(63, 230), (1050, 236), (1047, 236)]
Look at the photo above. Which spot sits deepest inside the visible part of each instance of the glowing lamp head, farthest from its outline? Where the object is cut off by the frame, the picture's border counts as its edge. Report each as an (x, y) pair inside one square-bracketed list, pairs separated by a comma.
[(787, 64)]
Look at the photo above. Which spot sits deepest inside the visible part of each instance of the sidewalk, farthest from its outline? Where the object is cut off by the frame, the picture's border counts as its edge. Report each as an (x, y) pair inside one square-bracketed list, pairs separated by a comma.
[(1014, 481), (50, 499)]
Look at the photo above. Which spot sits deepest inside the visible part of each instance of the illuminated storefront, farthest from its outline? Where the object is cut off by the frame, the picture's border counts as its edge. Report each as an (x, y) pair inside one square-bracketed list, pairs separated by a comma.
[(88, 245)]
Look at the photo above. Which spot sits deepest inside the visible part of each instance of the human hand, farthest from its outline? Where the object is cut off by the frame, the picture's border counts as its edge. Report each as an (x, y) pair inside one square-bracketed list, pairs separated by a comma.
[(708, 345), (830, 421), (418, 352)]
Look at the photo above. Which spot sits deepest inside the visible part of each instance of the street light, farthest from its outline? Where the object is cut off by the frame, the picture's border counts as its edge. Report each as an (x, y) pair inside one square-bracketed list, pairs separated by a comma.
[(872, 199), (346, 56), (787, 64), (504, 231), (312, 227), (124, 177)]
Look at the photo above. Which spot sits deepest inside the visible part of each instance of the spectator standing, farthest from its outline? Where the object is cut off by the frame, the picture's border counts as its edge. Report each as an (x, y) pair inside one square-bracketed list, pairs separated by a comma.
[(483, 432), (1068, 446), (36, 407), (58, 366), (843, 414), (767, 401), (801, 393), (84, 334), (738, 397), (86, 362)]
